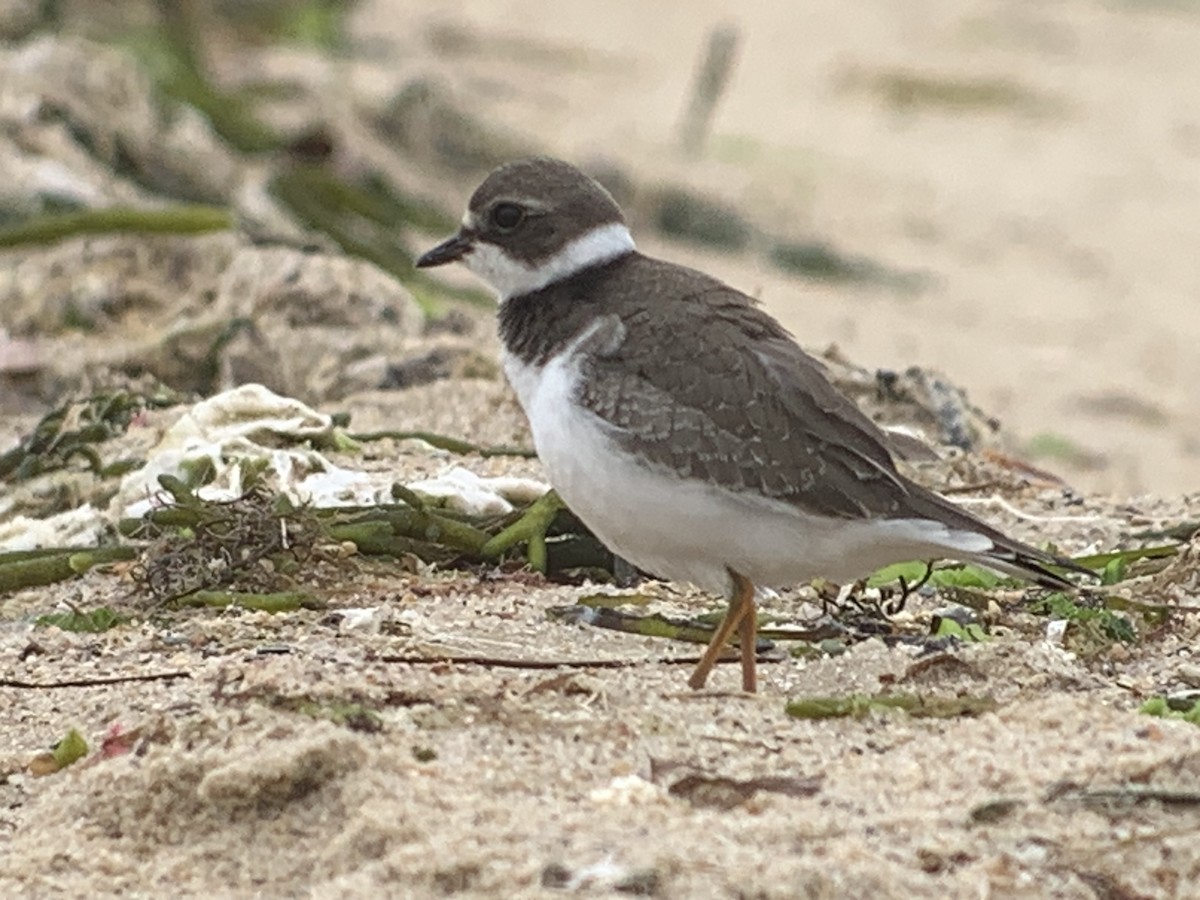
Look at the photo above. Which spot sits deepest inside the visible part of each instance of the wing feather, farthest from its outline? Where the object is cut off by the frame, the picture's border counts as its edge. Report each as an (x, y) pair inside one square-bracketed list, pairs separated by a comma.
[(754, 414)]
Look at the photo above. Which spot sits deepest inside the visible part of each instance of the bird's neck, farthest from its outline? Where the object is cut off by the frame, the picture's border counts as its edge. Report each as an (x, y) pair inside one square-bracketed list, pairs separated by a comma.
[(511, 277), (537, 324)]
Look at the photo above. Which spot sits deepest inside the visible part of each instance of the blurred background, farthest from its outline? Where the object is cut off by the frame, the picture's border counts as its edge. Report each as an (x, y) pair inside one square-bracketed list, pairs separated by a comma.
[(1007, 193)]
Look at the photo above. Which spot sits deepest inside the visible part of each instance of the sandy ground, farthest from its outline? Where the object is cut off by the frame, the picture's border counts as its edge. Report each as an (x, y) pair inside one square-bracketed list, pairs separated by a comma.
[(1059, 236), (542, 769)]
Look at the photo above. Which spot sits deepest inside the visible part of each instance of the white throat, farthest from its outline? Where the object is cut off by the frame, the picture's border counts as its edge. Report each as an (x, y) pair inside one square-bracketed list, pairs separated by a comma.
[(509, 277)]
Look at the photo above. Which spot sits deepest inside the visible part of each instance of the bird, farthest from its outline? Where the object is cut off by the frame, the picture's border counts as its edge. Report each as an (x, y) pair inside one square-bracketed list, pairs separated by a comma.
[(683, 425)]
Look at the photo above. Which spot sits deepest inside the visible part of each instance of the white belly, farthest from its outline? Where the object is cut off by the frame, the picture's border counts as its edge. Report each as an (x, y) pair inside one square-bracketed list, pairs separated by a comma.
[(689, 530)]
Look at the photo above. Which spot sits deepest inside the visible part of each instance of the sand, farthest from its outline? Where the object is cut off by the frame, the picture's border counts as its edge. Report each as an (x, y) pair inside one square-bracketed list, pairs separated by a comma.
[(338, 754), (1059, 231)]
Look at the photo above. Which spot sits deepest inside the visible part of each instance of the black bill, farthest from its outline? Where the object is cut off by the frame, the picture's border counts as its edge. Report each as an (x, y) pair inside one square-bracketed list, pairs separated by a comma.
[(447, 251)]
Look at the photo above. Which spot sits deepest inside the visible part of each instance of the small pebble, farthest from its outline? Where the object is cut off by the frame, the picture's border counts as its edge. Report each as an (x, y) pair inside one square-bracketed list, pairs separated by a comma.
[(1189, 674)]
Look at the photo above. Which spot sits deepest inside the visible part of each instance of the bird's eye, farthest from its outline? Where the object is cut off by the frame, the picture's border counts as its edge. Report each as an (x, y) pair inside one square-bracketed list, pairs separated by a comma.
[(507, 216)]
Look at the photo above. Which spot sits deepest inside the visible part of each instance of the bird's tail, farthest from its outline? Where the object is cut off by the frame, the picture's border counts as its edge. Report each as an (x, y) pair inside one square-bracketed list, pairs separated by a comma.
[(1006, 554), (1031, 564)]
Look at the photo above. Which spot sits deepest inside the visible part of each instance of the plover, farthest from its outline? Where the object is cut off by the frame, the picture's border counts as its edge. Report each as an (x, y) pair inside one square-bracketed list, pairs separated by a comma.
[(682, 423)]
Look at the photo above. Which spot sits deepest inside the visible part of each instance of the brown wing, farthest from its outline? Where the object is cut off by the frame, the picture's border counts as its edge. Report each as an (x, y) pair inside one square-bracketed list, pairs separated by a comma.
[(753, 414)]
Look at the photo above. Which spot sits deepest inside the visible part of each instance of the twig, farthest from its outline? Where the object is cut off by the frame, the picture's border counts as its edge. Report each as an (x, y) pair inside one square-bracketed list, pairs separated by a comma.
[(712, 77), (92, 682), (443, 442), (970, 488), (1131, 794), (894, 607), (1028, 517), (494, 662)]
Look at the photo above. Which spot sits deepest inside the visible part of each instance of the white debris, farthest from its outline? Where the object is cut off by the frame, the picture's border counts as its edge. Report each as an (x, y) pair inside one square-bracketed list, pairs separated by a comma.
[(79, 527), (462, 490), (1056, 631), (362, 618), (252, 429), (627, 790)]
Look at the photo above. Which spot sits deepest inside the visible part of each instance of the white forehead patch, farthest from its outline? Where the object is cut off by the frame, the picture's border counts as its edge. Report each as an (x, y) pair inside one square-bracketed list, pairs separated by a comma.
[(509, 277)]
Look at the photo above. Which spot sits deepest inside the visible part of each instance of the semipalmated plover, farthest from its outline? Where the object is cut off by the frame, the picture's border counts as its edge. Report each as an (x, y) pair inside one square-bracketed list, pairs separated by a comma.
[(682, 423)]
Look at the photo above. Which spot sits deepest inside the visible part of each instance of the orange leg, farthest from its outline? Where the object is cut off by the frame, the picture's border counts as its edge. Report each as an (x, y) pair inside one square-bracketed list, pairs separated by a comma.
[(740, 617), (748, 638)]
